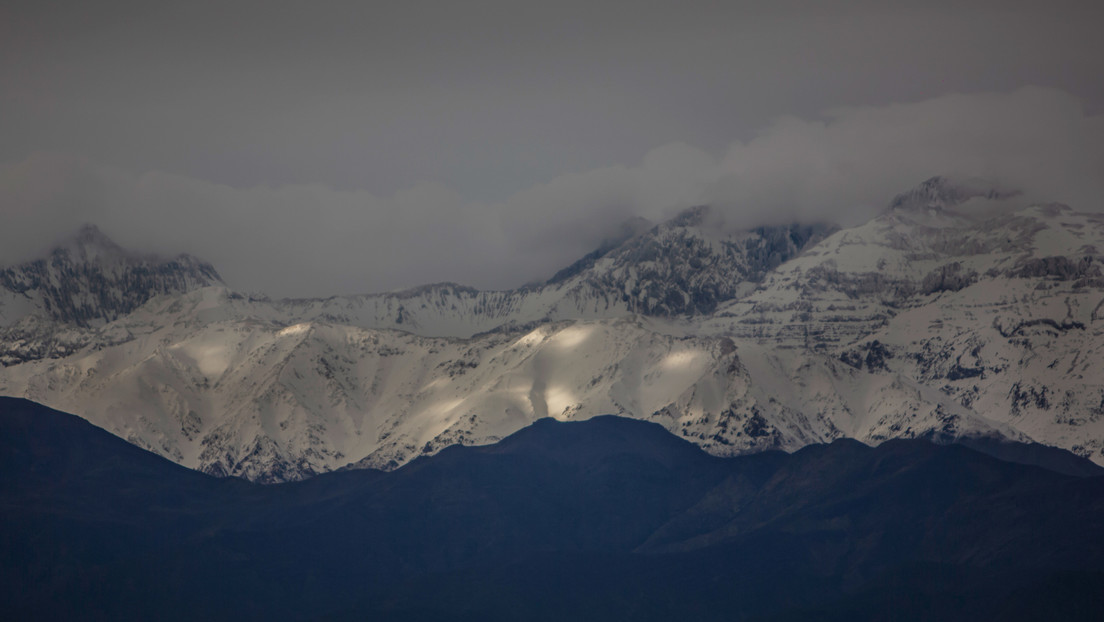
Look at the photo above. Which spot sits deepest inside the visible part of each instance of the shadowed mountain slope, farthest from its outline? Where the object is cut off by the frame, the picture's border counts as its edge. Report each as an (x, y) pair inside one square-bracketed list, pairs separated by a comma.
[(604, 519)]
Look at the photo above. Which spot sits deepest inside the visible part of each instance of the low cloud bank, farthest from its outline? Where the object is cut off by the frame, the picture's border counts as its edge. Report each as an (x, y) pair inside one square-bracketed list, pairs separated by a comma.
[(313, 240)]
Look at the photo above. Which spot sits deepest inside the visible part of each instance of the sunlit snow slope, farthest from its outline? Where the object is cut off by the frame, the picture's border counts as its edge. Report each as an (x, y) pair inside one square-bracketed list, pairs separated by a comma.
[(950, 314)]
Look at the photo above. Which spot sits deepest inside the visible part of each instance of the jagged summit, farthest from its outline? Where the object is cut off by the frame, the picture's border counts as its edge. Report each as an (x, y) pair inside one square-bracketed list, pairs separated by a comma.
[(88, 279), (695, 216), (941, 192), (956, 323), (628, 230), (89, 244), (681, 268), (685, 266)]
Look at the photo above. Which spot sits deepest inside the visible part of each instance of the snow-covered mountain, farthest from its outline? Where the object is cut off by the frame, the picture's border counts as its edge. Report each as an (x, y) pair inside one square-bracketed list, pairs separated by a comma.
[(48, 305), (685, 266), (949, 314), (89, 280)]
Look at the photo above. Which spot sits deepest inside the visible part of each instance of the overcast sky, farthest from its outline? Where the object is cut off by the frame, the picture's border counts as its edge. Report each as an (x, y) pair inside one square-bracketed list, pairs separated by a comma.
[(314, 148)]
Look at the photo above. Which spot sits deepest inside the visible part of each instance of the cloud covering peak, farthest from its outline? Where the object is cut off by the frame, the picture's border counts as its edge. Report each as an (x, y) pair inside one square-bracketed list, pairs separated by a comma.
[(843, 166)]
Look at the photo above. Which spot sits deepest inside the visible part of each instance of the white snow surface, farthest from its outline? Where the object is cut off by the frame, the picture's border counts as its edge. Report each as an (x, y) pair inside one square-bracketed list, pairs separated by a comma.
[(935, 319)]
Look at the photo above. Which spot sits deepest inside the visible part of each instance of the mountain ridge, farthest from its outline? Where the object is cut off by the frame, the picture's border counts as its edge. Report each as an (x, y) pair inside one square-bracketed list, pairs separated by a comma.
[(973, 320), (89, 280), (639, 516)]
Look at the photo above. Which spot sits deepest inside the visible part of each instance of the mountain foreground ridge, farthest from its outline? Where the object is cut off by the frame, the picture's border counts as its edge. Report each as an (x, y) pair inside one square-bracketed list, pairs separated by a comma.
[(608, 518)]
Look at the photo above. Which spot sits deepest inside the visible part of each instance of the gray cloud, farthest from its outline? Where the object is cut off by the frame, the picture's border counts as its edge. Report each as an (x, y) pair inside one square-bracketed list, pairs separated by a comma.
[(317, 148), (847, 163), (490, 96), (314, 239)]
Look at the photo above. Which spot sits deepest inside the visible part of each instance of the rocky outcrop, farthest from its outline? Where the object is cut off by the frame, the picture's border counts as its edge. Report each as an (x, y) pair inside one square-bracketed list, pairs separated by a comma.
[(90, 280)]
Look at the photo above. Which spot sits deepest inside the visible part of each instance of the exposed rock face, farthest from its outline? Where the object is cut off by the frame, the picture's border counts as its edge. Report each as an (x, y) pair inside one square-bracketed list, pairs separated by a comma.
[(939, 193), (681, 268), (937, 319), (90, 281), (678, 268)]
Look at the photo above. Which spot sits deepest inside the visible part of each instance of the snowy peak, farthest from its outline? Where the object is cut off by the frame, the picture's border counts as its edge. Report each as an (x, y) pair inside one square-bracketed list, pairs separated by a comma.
[(89, 245), (89, 280), (628, 230), (690, 217), (939, 193), (953, 314), (684, 267)]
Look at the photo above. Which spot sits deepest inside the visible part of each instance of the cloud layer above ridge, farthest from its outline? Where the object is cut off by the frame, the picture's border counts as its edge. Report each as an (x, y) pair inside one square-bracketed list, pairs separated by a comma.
[(315, 239)]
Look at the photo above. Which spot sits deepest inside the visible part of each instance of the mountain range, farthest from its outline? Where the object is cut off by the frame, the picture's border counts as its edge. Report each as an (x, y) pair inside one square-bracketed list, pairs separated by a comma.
[(608, 518), (957, 313)]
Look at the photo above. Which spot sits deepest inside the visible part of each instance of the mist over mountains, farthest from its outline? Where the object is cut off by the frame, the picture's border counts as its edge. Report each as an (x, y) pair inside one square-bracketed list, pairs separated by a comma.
[(308, 238), (506, 310), (953, 314)]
